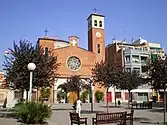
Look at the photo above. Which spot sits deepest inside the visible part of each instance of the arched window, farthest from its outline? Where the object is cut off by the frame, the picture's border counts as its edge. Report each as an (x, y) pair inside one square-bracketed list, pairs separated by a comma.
[(98, 48), (95, 22), (100, 23)]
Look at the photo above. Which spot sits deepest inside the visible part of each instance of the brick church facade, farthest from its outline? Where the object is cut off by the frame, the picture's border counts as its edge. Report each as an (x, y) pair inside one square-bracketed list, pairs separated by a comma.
[(75, 60)]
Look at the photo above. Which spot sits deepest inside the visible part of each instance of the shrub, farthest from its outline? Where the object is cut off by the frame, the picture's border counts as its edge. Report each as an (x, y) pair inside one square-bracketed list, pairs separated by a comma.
[(33, 112), (99, 95), (19, 102), (84, 96), (45, 92)]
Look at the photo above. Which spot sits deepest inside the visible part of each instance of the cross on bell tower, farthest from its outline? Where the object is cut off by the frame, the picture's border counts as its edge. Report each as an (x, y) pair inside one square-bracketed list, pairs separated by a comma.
[(46, 32), (95, 10)]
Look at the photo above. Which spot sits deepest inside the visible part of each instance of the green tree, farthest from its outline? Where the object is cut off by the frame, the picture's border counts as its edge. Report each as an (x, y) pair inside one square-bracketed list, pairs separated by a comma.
[(158, 74), (105, 75), (99, 95), (74, 83), (45, 93), (84, 95), (15, 65), (129, 81)]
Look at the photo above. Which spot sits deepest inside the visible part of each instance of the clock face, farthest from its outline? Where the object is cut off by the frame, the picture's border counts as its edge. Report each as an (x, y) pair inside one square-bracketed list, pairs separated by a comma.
[(73, 63), (98, 34)]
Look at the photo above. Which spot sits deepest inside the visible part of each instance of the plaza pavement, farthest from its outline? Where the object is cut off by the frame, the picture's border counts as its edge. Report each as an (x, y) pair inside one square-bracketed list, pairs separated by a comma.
[(60, 114)]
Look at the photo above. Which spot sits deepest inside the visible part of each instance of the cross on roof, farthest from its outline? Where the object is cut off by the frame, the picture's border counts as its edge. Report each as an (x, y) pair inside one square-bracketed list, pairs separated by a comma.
[(95, 10), (46, 32)]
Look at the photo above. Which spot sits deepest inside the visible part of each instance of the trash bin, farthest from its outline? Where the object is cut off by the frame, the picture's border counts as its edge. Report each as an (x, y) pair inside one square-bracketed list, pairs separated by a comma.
[(119, 102), (154, 98), (150, 105)]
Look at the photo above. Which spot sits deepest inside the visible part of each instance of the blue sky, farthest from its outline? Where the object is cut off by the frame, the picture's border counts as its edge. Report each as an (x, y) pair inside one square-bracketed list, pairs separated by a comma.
[(27, 19)]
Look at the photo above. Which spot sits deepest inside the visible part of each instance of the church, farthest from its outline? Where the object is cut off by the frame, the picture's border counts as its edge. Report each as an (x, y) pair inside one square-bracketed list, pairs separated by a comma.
[(75, 60)]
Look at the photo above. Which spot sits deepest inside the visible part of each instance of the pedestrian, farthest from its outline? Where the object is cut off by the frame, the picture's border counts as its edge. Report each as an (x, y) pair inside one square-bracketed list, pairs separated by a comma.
[(78, 107)]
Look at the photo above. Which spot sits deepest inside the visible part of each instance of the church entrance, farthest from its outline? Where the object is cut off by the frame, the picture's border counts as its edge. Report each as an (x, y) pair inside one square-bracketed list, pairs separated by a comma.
[(72, 97)]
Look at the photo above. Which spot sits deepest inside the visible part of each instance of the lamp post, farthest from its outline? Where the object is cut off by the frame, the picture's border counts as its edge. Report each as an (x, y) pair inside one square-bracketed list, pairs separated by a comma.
[(31, 67)]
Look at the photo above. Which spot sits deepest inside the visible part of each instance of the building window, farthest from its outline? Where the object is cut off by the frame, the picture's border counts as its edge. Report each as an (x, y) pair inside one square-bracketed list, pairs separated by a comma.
[(127, 58), (98, 48), (136, 70), (95, 23), (46, 50), (100, 23), (118, 94), (128, 69), (135, 58), (142, 97)]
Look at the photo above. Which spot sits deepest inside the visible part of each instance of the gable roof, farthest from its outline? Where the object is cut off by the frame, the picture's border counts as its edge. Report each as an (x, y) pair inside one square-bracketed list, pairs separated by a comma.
[(77, 47)]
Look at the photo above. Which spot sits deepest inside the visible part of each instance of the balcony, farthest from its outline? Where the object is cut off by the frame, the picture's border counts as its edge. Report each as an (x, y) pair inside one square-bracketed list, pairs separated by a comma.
[(158, 51)]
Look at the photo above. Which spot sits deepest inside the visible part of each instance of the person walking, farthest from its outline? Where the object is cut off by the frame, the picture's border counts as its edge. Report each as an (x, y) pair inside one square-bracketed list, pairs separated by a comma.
[(78, 107)]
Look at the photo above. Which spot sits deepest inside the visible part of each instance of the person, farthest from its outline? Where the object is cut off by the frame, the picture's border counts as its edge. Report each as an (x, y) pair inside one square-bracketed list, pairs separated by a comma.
[(78, 107)]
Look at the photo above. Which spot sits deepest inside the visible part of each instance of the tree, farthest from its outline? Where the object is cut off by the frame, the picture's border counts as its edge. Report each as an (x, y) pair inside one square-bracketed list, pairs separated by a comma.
[(15, 65), (158, 74), (99, 95), (74, 83), (129, 81), (158, 77), (105, 75)]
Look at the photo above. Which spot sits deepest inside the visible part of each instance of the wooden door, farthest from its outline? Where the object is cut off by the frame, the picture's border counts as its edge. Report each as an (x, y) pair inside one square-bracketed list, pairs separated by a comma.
[(72, 97)]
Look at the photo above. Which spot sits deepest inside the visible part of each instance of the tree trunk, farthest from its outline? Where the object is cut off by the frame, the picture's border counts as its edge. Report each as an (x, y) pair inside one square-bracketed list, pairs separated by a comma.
[(22, 94), (130, 100), (66, 100), (107, 99), (78, 94), (115, 97)]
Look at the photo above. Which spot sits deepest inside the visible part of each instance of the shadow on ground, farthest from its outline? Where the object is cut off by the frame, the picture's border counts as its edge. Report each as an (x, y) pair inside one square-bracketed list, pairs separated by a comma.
[(144, 120), (89, 112), (137, 108), (62, 109), (111, 106), (138, 119), (8, 115), (157, 110)]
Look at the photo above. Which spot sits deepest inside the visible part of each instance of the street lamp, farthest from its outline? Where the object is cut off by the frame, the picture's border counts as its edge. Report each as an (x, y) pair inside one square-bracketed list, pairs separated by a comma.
[(31, 67)]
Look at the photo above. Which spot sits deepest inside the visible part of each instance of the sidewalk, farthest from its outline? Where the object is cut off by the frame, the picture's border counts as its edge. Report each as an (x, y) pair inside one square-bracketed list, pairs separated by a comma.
[(60, 114)]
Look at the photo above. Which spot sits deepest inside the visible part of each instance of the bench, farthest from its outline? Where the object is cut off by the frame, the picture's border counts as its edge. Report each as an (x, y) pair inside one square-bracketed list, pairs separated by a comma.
[(75, 119), (106, 118), (129, 117)]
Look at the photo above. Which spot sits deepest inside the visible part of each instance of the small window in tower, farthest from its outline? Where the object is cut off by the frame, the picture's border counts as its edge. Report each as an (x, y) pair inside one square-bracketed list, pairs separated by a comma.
[(95, 23), (98, 48), (46, 50), (100, 23)]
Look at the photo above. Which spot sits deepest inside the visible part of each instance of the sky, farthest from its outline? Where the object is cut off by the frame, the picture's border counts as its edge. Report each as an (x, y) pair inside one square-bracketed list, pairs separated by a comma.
[(27, 19)]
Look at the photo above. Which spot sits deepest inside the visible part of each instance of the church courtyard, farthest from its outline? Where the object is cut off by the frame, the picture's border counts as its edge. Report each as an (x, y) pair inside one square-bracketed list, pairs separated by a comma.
[(60, 114)]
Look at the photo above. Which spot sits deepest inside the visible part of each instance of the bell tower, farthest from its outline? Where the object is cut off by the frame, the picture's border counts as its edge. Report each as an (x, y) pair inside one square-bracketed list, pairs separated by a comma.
[(96, 41)]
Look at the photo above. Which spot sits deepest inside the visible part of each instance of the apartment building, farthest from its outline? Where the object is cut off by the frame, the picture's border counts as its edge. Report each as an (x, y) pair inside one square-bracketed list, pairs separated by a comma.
[(133, 56)]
